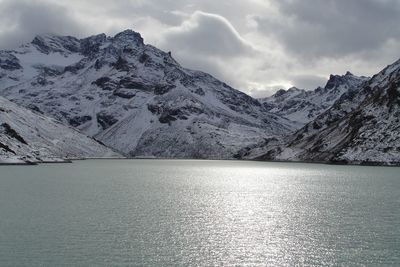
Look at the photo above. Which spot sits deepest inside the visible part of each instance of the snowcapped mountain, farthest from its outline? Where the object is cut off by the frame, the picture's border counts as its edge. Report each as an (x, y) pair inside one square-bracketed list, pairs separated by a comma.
[(26, 136), (138, 100), (135, 98), (303, 106), (362, 127)]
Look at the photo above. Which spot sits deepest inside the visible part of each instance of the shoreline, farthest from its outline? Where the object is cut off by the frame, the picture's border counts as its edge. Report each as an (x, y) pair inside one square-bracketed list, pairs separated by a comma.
[(71, 161)]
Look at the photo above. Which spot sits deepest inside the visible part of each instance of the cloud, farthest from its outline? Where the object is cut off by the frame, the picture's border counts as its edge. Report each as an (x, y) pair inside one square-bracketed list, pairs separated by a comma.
[(210, 43), (207, 34), (257, 46), (21, 20), (332, 28)]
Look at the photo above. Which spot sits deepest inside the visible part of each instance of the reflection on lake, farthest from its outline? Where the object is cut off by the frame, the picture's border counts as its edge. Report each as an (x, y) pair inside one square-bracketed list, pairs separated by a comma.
[(183, 212)]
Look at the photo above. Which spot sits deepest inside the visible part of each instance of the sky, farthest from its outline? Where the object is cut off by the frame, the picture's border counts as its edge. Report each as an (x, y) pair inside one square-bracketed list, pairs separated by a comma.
[(257, 46)]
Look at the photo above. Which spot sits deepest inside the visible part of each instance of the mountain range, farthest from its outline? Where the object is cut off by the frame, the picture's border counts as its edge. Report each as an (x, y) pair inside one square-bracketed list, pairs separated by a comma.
[(121, 96), (361, 127)]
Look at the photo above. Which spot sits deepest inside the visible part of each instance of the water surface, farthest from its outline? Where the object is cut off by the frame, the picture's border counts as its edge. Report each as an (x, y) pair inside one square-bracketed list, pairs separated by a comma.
[(182, 213)]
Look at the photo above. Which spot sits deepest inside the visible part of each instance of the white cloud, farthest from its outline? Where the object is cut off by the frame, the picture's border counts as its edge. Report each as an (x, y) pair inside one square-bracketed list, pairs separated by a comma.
[(332, 28), (255, 45), (207, 34)]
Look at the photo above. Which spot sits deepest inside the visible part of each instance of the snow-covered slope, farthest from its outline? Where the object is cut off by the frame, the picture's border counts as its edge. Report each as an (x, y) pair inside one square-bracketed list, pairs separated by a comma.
[(303, 106), (26, 136), (361, 127), (135, 97)]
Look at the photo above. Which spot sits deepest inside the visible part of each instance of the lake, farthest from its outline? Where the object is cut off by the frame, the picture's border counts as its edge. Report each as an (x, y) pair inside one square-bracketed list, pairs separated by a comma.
[(198, 213)]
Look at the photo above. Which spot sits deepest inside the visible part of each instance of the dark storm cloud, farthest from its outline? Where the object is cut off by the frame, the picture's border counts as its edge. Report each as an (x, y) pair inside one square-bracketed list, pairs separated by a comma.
[(333, 27), (21, 20)]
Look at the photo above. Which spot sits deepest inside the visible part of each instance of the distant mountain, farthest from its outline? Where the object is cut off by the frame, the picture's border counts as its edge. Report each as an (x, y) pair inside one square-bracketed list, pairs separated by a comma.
[(303, 106), (362, 127), (138, 100), (26, 136), (135, 98)]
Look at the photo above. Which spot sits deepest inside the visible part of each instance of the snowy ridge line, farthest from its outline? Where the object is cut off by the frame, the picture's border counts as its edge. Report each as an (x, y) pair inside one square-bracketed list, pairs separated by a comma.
[(362, 127), (135, 98)]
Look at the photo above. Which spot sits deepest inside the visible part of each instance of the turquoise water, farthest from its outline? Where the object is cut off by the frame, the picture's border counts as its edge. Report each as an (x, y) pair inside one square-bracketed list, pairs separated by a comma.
[(207, 213)]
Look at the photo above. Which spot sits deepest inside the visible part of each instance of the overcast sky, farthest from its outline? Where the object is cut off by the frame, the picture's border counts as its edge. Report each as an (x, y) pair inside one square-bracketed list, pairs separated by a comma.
[(256, 46)]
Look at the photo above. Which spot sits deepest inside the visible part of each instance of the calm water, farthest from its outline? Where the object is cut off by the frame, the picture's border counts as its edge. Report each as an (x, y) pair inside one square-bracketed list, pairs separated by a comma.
[(181, 213)]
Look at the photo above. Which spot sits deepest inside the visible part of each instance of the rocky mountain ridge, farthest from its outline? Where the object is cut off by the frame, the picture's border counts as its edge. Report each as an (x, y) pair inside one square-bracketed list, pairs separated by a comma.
[(303, 106), (362, 127), (135, 98), (139, 101)]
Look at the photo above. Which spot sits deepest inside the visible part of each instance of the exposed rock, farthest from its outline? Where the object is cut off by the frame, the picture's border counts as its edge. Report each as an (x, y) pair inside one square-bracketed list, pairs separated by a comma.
[(125, 93), (30, 137), (79, 120), (121, 64), (91, 46), (138, 99), (105, 120), (303, 106), (12, 133), (359, 128), (9, 62), (130, 83), (161, 89)]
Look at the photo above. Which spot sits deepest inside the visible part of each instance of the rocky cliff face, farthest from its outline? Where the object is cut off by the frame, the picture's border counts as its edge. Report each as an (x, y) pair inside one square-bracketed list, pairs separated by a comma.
[(138, 100), (26, 136), (135, 98), (303, 106), (362, 127)]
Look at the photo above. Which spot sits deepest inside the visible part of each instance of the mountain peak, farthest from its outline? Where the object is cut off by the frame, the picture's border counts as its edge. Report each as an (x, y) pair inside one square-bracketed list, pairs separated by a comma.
[(280, 92), (337, 80), (294, 89), (99, 37), (47, 43), (90, 45), (348, 73), (129, 36), (137, 99)]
